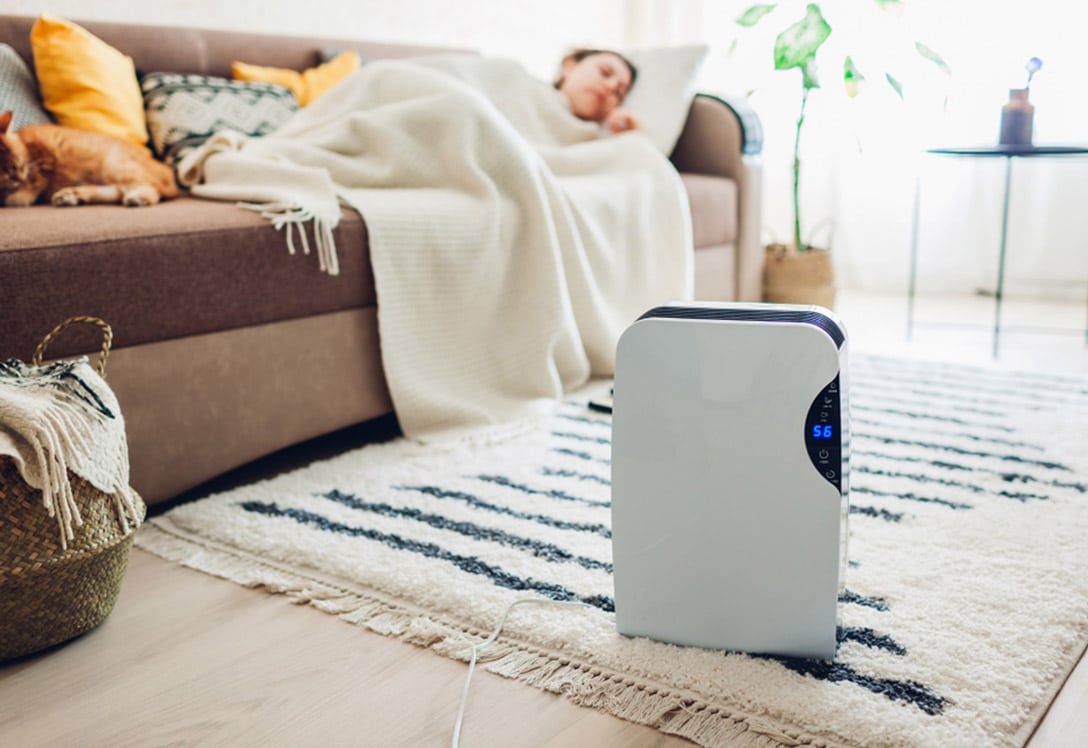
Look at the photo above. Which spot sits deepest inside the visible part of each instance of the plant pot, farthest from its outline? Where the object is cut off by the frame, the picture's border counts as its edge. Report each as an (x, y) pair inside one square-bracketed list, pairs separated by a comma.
[(791, 277)]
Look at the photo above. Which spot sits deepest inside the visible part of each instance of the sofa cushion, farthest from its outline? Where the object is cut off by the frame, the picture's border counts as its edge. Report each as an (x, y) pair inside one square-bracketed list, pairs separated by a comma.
[(183, 267), (85, 82), (210, 52), (189, 266), (18, 91), (185, 110), (714, 209)]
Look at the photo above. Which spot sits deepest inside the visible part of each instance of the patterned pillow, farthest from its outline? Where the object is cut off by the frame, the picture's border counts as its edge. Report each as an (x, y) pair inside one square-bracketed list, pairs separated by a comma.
[(185, 110), (18, 91)]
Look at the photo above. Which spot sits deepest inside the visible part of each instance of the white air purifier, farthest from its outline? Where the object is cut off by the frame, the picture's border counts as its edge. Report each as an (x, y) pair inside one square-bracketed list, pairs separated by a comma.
[(730, 470)]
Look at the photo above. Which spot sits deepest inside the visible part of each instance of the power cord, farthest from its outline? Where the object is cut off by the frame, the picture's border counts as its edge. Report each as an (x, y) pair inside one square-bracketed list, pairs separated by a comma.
[(477, 648)]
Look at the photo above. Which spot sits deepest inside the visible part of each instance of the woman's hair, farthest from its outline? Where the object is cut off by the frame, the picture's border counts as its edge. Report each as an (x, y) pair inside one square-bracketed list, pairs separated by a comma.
[(580, 54)]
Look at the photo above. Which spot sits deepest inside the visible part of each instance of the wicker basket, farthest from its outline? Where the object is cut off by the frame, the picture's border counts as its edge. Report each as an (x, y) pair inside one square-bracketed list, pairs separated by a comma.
[(790, 277), (50, 590)]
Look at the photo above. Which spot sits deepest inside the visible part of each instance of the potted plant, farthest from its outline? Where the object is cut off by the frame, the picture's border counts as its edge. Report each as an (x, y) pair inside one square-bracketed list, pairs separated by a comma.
[(802, 273)]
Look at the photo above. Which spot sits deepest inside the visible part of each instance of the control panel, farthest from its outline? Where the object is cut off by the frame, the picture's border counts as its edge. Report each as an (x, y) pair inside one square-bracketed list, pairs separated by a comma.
[(823, 433)]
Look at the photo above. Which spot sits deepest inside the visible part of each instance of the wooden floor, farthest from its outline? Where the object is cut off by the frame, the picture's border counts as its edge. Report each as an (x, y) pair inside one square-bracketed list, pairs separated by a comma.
[(187, 659)]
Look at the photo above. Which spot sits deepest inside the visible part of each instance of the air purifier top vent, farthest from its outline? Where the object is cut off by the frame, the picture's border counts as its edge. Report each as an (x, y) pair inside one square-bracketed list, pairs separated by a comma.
[(812, 315)]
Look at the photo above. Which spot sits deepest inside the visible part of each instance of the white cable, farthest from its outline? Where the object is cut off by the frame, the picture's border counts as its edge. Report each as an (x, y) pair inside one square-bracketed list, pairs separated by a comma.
[(476, 648)]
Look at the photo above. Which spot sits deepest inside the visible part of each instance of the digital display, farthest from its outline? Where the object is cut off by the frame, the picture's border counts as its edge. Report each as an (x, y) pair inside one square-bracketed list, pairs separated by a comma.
[(824, 431)]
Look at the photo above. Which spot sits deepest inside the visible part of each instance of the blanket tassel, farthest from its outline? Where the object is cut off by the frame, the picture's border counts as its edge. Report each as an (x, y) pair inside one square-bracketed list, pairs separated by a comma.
[(294, 218)]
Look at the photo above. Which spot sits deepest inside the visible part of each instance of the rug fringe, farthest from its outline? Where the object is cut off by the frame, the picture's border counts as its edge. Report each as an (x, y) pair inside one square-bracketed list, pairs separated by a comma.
[(667, 712), (236, 567), (589, 686)]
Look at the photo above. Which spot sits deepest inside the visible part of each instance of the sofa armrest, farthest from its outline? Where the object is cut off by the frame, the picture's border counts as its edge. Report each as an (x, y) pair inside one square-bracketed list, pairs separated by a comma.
[(724, 137)]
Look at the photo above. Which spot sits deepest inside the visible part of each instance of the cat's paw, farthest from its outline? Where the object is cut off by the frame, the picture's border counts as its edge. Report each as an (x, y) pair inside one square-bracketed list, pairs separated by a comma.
[(65, 197), (19, 200), (140, 197)]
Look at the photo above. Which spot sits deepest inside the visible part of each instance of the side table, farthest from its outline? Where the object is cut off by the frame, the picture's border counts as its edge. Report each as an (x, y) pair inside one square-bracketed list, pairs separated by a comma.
[(1009, 153)]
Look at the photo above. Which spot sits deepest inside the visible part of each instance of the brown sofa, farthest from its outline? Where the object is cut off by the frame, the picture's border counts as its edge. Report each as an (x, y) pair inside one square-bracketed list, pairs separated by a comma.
[(226, 347)]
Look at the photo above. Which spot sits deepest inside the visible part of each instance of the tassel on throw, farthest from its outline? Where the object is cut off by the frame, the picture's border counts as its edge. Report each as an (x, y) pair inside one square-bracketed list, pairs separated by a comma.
[(293, 218)]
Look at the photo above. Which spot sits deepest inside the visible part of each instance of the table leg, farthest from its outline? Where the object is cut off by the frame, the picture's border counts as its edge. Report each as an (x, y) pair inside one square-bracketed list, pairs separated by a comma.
[(914, 254), (1001, 256)]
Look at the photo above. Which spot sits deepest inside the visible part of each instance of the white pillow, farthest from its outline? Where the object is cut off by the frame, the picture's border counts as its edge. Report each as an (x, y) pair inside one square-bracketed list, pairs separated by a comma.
[(663, 90)]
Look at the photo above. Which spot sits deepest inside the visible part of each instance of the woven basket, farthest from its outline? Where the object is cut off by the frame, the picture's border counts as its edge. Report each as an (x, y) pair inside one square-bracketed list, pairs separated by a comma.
[(790, 277), (50, 593)]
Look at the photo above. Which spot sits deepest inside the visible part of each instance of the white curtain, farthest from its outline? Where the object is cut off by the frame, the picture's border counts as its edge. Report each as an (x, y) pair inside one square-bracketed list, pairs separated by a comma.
[(862, 158)]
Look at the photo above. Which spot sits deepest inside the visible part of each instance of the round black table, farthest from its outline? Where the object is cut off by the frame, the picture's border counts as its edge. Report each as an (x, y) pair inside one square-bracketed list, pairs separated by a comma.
[(1009, 153)]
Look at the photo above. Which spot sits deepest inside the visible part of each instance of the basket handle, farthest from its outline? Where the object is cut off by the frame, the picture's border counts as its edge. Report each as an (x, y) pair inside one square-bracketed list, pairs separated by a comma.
[(107, 340)]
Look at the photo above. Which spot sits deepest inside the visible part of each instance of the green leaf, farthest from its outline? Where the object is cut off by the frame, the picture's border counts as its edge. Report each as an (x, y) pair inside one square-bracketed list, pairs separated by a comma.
[(794, 46), (886, 4), (851, 77), (894, 84), (751, 16), (933, 57)]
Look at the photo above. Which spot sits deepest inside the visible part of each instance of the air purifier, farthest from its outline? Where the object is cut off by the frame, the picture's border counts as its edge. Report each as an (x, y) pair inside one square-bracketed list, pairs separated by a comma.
[(730, 477)]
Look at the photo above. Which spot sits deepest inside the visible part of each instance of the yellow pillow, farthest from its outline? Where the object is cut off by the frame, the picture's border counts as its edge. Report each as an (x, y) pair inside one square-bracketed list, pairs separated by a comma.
[(85, 82), (307, 85)]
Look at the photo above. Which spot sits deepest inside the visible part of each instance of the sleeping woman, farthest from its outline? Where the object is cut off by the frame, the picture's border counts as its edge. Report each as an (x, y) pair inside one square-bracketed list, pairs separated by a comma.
[(595, 82), (488, 191)]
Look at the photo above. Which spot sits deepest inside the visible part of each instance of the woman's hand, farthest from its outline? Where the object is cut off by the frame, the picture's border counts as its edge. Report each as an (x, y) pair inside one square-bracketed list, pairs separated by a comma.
[(620, 120)]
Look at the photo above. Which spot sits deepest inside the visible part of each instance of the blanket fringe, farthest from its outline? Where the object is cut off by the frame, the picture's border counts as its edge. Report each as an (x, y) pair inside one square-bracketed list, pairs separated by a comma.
[(293, 218), (51, 440), (57, 435), (673, 713)]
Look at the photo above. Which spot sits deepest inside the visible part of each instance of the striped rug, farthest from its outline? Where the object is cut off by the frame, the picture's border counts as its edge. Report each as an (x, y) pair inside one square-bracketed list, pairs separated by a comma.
[(966, 598)]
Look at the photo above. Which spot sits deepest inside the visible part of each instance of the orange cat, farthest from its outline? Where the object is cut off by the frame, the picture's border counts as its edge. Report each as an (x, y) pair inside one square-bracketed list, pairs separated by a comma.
[(68, 166)]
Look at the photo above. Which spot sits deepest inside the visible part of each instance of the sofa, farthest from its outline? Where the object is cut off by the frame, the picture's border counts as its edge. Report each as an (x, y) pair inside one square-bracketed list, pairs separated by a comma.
[(227, 348)]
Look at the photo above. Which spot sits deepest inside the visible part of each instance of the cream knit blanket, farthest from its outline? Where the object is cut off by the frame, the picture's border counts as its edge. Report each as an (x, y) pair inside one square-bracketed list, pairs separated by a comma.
[(63, 417), (511, 244)]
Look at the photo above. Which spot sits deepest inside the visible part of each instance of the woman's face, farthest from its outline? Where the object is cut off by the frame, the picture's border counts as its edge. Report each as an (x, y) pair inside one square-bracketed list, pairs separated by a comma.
[(595, 85)]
